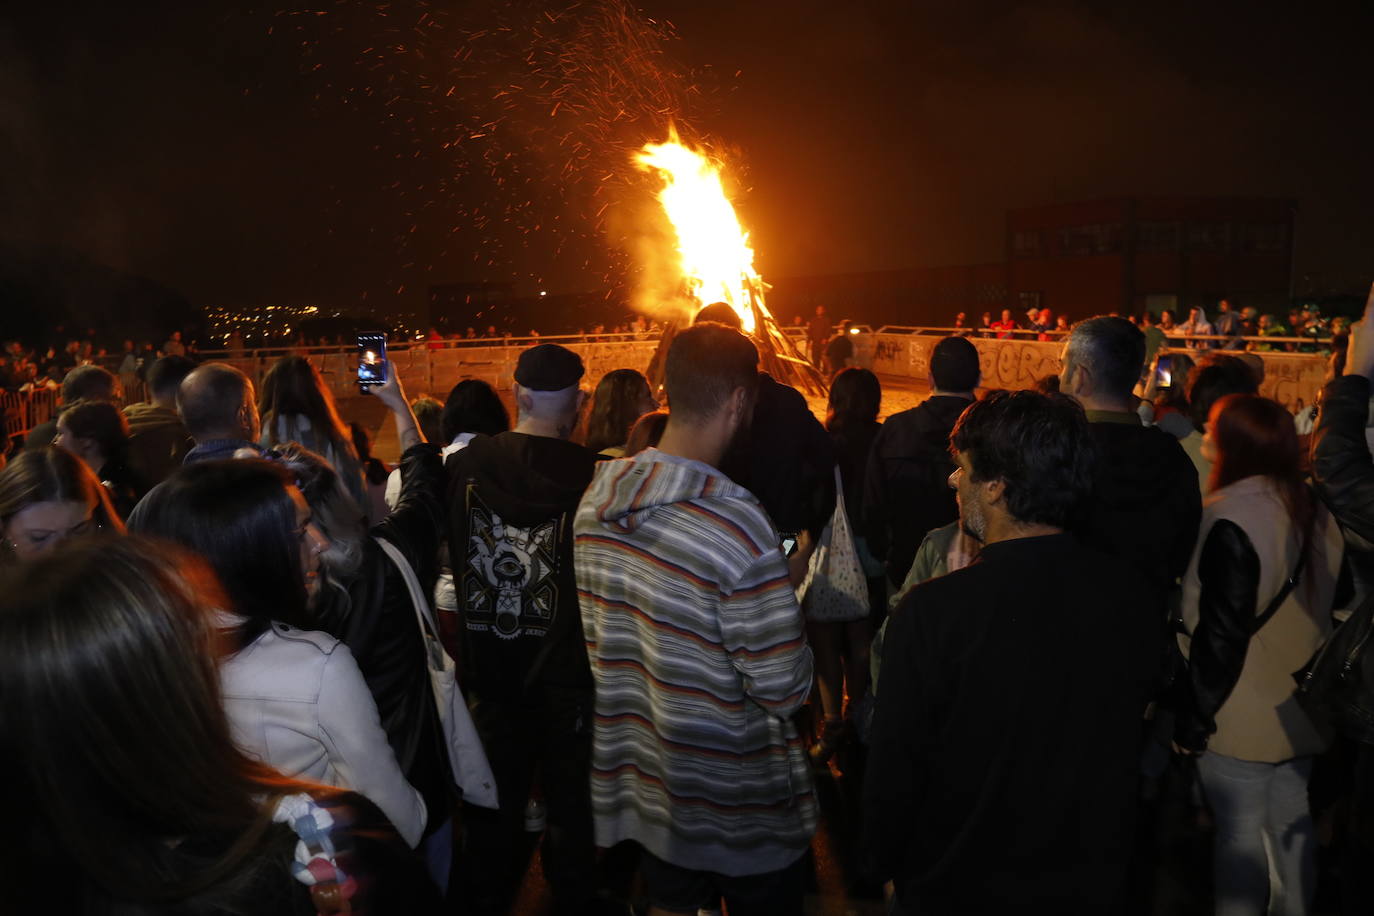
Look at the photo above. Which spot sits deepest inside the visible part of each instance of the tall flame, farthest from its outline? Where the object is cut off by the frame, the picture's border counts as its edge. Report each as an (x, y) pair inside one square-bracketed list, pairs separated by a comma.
[(717, 262)]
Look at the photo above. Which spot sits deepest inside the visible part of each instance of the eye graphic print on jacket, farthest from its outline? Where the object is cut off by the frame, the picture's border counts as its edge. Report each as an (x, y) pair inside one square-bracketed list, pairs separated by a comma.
[(509, 583)]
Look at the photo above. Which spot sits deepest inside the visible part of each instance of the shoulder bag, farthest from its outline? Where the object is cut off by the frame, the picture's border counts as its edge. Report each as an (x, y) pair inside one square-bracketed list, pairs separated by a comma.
[(471, 770)]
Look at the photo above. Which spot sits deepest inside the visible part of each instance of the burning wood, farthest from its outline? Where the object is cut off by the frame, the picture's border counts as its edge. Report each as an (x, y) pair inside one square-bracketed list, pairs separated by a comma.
[(717, 262)]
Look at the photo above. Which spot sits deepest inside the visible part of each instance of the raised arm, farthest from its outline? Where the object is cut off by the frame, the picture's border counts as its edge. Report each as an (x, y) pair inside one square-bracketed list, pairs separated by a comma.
[(1342, 468)]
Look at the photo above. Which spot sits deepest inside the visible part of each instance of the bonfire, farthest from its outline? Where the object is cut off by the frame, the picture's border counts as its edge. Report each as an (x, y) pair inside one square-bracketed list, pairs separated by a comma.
[(716, 260)]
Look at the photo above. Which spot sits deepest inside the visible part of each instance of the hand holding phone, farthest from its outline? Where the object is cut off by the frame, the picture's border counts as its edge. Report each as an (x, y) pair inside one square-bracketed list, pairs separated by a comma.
[(372, 364)]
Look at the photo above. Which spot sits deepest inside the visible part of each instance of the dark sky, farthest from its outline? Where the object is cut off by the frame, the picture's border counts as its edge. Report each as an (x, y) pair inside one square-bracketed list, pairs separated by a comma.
[(259, 155)]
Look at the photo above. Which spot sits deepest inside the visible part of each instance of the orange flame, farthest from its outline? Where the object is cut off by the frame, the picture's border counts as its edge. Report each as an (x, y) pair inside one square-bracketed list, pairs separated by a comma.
[(716, 261)]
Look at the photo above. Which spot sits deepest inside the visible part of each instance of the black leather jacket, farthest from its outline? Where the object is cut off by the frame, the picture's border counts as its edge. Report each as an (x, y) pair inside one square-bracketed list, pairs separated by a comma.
[(1343, 472), (376, 620)]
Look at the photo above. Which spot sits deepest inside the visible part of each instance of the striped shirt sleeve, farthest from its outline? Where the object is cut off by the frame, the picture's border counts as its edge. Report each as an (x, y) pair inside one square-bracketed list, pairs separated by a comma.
[(762, 632)]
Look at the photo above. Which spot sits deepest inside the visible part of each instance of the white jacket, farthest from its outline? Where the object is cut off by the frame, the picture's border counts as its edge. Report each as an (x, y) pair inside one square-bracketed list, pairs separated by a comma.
[(297, 701)]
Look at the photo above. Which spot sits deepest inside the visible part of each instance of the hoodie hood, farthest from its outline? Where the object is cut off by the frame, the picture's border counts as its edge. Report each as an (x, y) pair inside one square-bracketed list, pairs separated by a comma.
[(525, 479), (627, 492), (1136, 462)]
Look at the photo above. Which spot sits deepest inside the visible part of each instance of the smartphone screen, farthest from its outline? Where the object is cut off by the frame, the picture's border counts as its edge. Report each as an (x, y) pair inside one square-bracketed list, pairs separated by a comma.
[(1164, 375), (371, 360), (789, 544)]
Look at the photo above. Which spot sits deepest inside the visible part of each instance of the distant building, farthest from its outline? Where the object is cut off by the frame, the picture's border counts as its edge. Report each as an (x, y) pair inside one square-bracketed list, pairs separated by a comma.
[(914, 296), (1123, 255), (1131, 254)]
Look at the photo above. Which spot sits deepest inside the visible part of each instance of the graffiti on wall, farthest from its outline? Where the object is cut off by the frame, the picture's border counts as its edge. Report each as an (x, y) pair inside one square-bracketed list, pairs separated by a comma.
[(1015, 364), (1290, 376)]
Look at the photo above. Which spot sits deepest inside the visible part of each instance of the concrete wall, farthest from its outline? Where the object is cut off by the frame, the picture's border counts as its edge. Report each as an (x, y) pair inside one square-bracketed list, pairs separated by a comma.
[(1019, 363), (1006, 364), (434, 372)]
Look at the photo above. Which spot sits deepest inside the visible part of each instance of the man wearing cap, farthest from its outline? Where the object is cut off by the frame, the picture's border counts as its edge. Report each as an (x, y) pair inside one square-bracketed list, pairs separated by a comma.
[(523, 661)]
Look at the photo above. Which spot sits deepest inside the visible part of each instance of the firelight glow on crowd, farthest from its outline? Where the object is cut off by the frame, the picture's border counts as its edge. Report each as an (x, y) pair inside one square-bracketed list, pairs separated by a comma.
[(998, 647)]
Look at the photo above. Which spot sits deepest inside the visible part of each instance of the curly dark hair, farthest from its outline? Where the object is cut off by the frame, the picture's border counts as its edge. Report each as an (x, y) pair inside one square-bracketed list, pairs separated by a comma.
[(1038, 445)]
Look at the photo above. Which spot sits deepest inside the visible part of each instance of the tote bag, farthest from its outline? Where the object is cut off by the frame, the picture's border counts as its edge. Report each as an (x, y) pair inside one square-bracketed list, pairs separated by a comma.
[(835, 590), (471, 770)]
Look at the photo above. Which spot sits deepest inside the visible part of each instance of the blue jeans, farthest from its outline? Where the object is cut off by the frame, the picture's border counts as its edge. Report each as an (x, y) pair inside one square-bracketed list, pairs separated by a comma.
[(1263, 827)]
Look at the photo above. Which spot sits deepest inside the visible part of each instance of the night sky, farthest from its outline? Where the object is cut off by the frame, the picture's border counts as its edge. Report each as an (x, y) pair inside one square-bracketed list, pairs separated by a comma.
[(358, 155)]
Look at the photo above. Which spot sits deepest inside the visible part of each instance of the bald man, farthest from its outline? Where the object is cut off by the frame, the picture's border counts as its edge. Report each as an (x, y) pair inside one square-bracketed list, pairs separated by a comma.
[(219, 407)]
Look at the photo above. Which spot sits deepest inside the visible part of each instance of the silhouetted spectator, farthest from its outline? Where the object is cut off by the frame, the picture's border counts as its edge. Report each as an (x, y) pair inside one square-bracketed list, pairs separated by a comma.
[(158, 440), (906, 490), (785, 457), (84, 383), (621, 397), (98, 434), (218, 407), (1209, 382), (297, 406), (981, 747)]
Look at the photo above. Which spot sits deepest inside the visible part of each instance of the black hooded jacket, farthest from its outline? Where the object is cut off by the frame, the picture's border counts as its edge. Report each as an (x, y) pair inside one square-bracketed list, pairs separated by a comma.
[(1146, 506), (906, 489), (511, 500)]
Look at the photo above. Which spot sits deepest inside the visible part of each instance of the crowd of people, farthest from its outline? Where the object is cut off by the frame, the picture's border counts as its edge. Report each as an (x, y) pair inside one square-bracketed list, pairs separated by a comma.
[(28, 369), (1007, 616), (1226, 330)]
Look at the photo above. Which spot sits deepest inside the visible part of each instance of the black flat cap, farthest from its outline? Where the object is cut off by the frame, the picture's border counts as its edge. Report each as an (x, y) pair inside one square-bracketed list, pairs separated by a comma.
[(548, 367)]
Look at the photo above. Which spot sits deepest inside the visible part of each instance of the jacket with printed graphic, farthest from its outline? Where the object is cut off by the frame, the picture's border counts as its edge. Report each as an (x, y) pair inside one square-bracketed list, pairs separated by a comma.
[(511, 499)]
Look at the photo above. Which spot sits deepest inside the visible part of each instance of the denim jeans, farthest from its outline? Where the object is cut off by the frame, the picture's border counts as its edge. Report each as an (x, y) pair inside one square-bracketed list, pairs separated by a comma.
[(1263, 827)]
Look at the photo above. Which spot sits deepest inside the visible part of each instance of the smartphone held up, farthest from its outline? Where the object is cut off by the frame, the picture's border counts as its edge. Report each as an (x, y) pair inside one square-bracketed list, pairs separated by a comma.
[(1164, 371), (372, 364)]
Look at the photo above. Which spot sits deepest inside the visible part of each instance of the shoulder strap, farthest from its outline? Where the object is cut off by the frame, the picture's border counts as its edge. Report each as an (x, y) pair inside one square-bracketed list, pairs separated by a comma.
[(428, 625), (1287, 589)]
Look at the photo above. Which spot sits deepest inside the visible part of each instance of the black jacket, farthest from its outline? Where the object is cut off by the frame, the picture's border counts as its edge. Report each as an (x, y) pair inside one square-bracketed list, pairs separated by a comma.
[(1146, 506), (1005, 742), (1229, 573), (376, 620), (511, 500), (1343, 473), (906, 490), (785, 459)]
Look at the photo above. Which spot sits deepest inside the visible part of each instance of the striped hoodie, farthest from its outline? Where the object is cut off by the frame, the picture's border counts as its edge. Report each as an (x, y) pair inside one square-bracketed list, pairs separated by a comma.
[(698, 654)]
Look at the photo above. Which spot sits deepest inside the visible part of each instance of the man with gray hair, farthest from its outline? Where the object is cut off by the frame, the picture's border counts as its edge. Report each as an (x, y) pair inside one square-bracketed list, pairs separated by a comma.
[(511, 498), (1146, 505), (219, 408)]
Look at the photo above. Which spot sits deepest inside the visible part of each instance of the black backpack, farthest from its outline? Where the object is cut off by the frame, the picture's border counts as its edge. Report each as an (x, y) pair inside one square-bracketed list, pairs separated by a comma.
[(1336, 688)]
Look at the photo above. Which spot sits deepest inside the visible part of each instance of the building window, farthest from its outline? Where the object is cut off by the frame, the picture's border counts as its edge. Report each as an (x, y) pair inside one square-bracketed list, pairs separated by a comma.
[(1098, 238), (1153, 236), (1026, 243), (1262, 238), (1209, 237)]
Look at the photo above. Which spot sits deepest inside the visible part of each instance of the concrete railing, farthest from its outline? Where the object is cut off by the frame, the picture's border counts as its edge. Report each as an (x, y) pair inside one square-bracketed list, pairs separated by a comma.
[(433, 369), (892, 351), (1020, 363)]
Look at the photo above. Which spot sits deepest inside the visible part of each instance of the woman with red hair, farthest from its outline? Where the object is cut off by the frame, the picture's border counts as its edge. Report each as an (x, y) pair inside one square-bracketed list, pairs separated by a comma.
[(1256, 604)]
